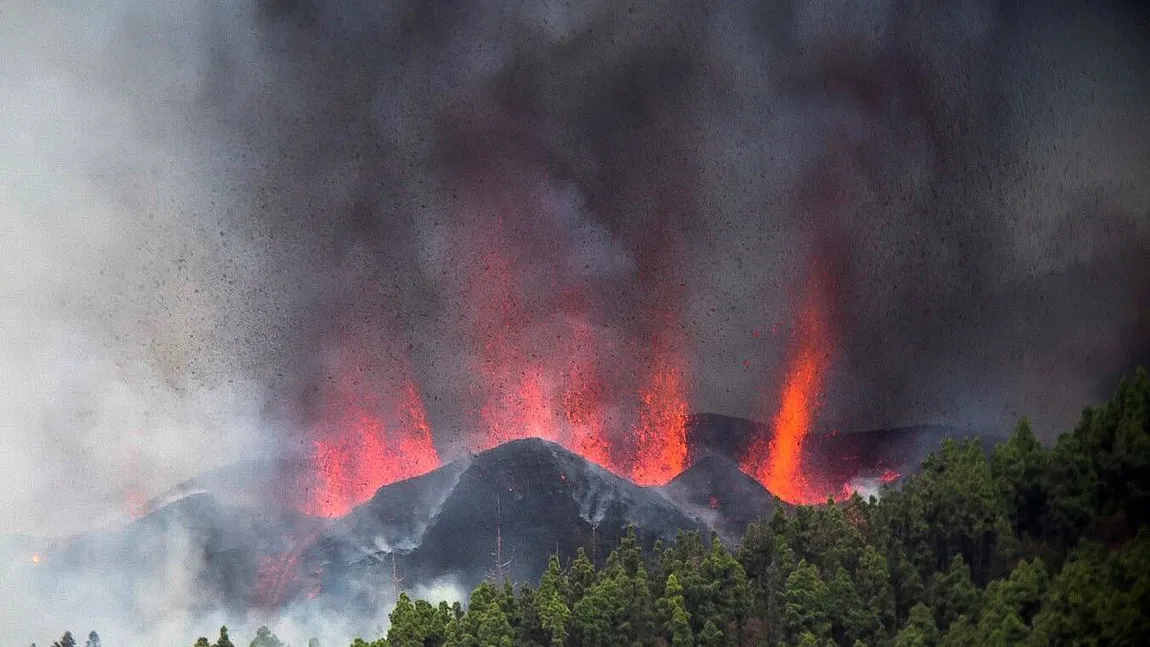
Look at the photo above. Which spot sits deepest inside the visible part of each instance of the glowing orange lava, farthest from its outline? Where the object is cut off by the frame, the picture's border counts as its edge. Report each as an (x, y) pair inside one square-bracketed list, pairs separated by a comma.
[(516, 396), (777, 462), (586, 431), (356, 451), (583, 396), (661, 433)]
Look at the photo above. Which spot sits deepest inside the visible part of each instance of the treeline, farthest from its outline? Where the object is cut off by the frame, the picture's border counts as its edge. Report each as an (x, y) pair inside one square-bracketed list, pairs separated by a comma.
[(67, 640), (1027, 546)]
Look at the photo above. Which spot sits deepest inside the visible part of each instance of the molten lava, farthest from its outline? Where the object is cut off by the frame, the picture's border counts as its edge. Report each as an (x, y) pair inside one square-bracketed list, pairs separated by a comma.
[(358, 450), (777, 462), (584, 421), (516, 394), (534, 350), (583, 398), (661, 433)]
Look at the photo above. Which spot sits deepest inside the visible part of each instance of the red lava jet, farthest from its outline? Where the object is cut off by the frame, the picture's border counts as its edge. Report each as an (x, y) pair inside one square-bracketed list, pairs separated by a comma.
[(581, 402), (534, 373), (777, 461), (517, 390), (278, 574)]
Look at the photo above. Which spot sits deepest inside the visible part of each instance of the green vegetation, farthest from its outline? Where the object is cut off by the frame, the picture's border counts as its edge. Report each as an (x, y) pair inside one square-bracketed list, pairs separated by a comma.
[(1028, 546)]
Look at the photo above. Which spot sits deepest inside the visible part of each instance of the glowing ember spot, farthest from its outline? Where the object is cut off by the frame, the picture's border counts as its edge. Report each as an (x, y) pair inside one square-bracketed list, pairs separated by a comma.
[(777, 462), (713, 501), (35, 558), (661, 435), (135, 503), (278, 575), (889, 476)]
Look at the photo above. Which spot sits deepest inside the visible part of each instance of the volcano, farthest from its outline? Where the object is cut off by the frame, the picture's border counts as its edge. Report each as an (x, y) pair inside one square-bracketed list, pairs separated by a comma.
[(499, 513)]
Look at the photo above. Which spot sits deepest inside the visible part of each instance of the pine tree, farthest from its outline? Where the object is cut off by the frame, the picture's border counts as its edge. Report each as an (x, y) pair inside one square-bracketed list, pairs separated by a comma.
[(223, 640), (494, 629), (711, 636), (581, 579), (873, 585), (954, 595), (555, 618), (406, 629), (920, 630), (671, 614), (265, 638), (1020, 468), (806, 603), (554, 581), (65, 641), (93, 639)]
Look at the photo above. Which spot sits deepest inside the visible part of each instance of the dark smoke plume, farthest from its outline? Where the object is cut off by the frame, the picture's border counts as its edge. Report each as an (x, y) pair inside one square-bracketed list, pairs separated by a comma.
[(973, 174)]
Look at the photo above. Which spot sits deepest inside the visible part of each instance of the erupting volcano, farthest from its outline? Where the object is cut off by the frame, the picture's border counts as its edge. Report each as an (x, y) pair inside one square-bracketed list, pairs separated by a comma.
[(372, 433)]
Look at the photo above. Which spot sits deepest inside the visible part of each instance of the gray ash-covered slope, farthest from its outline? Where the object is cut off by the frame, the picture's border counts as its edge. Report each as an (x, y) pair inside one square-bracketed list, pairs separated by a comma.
[(217, 548), (727, 499), (525, 500)]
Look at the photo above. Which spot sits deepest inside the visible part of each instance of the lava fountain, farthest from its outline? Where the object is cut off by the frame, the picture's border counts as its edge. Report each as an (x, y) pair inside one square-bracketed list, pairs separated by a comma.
[(369, 436), (777, 461), (661, 433)]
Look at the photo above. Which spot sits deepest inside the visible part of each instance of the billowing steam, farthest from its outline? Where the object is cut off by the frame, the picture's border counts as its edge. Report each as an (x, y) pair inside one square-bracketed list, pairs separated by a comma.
[(243, 230)]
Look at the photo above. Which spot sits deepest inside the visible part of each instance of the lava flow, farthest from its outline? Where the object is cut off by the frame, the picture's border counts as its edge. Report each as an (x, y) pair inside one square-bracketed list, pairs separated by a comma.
[(777, 462)]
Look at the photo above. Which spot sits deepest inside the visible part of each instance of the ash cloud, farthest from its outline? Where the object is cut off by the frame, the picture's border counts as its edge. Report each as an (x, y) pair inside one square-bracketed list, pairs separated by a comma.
[(972, 176), (203, 201)]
